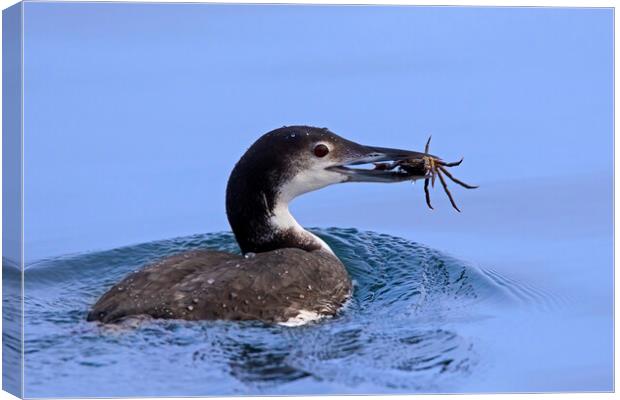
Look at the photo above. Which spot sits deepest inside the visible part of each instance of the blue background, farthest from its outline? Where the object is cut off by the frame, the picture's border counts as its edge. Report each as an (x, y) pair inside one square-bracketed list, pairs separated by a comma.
[(136, 113)]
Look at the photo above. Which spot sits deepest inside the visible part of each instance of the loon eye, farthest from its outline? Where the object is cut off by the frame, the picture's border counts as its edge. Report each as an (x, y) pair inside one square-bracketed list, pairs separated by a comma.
[(321, 150)]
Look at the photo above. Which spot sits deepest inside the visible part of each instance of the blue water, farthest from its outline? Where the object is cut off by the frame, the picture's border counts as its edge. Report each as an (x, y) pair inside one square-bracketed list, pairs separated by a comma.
[(418, 322), (130, 134)]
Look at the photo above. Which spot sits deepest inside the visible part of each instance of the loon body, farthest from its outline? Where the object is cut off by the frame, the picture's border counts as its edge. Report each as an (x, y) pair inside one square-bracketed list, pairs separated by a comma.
[(287, 274)]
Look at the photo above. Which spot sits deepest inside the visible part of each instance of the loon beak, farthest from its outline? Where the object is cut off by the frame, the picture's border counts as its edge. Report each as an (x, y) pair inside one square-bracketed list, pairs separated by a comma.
[(381, 164)]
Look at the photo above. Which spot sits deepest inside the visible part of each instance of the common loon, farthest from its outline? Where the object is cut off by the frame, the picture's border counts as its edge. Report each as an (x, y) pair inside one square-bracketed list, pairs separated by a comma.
[(286, 274)]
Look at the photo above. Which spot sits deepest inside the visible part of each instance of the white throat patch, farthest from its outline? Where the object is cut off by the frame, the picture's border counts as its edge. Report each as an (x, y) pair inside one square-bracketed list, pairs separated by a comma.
[(303, 182), (282, 219)]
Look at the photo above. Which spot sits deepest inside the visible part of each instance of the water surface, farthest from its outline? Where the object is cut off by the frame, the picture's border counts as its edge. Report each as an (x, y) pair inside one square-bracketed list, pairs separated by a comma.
[(525, 302), (411, 326)]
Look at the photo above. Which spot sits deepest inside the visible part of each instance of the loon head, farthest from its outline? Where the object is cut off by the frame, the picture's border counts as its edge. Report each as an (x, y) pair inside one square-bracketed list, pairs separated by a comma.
[(290, 161)]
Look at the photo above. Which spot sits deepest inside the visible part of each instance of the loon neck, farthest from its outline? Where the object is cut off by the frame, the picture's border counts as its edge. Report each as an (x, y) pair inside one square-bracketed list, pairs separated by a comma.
[(260, 218), (296, 236)]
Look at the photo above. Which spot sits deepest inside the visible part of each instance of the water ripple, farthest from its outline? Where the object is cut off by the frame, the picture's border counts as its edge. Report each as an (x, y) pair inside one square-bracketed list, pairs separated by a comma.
[(399, 333)]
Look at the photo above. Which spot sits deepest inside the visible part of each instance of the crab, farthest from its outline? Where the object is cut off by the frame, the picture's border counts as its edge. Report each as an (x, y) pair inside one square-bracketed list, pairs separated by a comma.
[(430, 167)]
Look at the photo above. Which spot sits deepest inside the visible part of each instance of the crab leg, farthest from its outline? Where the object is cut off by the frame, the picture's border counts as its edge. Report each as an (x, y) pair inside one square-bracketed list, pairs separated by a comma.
[(450, 164), (427, 194), (432, 168), (445, 187), (455, 180)]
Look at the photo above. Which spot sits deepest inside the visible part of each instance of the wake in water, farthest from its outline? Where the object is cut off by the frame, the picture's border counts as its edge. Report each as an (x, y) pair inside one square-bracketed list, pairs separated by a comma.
[(401, 332)]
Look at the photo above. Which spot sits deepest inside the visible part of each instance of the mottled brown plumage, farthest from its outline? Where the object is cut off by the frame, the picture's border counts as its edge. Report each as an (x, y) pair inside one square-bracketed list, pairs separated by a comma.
[(273, 287)]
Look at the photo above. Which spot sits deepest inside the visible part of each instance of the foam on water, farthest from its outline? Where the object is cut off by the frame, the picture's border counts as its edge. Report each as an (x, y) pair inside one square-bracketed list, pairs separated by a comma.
[(403, 330)]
